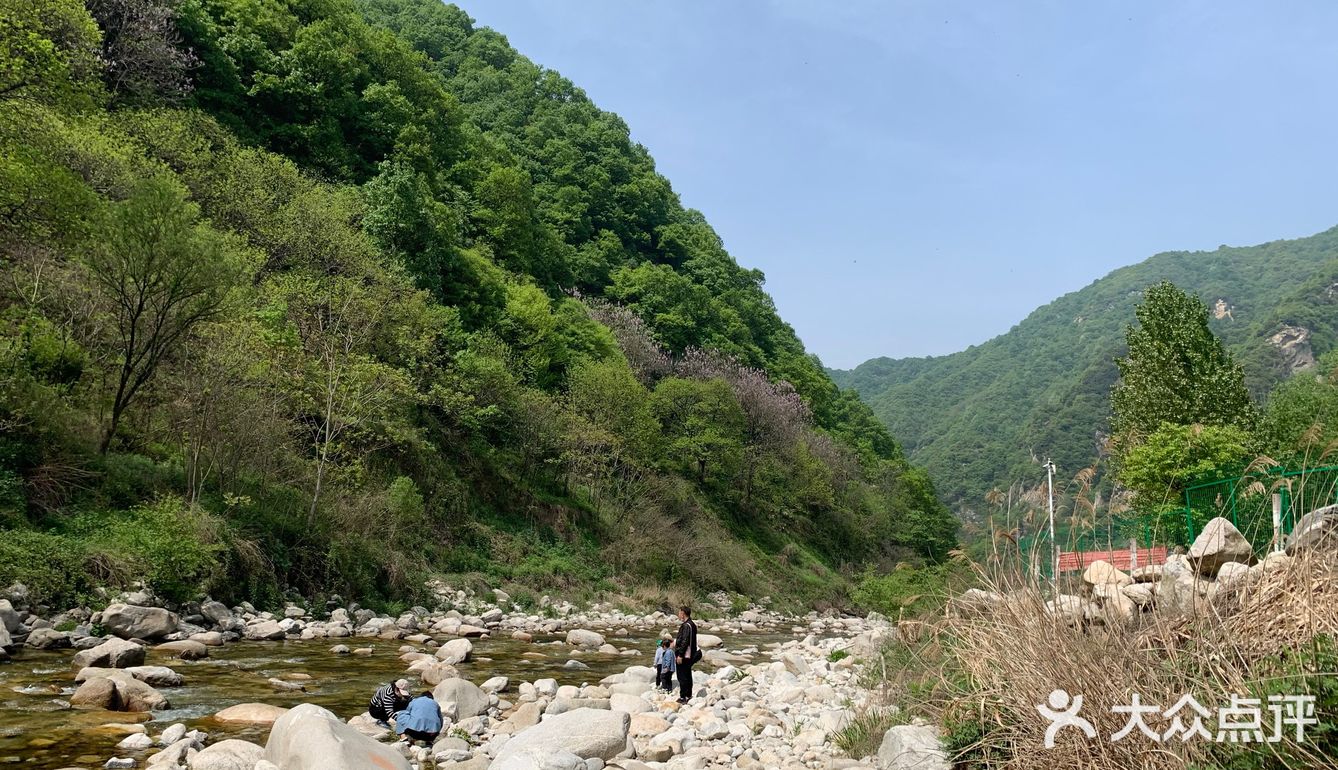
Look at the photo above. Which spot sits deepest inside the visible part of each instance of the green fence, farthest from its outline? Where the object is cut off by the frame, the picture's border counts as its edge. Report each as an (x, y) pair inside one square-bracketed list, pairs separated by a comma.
[(1110, 533), (1247, 501)]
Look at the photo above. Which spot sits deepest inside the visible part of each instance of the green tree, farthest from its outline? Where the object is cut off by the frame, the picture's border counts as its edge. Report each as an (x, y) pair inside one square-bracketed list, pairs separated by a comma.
[(703, 423), (1177, 371), (1158, 469), (160, 273), (1302, 413), (48, 52)]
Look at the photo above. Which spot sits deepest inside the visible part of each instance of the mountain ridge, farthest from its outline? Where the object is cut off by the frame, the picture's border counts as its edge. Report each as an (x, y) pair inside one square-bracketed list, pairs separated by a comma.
[(980, 417)]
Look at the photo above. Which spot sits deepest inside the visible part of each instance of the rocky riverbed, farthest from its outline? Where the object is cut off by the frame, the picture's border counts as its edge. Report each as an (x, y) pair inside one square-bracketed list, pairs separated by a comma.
[(216, 688)]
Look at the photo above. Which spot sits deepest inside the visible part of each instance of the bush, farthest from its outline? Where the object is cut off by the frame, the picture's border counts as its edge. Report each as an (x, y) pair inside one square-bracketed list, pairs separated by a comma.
[(906, 590), (52, 566), (173, 548)]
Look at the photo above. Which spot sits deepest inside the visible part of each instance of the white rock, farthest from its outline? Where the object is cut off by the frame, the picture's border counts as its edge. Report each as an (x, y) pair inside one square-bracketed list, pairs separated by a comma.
[(309, 737), (911, 747), (583, 732)]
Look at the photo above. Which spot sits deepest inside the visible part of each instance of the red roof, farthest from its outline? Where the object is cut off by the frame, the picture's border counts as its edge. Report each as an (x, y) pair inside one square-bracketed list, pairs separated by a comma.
[(1122, 558)]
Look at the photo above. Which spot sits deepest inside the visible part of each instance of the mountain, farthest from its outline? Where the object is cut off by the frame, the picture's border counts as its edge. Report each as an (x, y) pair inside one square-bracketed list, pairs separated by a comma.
[(311, 296), (986, 416)]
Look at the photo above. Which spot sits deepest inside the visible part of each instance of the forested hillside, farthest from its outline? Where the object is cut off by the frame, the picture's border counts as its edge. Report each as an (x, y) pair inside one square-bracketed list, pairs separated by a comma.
[(323, 296), (987, 416)]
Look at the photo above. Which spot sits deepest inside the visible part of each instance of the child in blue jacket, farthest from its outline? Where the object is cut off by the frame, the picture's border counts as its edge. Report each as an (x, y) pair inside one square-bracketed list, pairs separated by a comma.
[(665, 666)]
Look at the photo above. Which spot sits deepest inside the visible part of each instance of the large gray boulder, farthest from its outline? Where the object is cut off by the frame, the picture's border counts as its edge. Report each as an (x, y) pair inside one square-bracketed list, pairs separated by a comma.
[(185, 649), (9, 618), (231, 754), (113, 653), (584, 638), (216, 612), (265, 630), (912, 747), (1219, 543), (469, 700), (1315, 529), (47, 639), (455, 651), (586, 733), (1101, 573), (129, 621), (251, 714), (309, 737)]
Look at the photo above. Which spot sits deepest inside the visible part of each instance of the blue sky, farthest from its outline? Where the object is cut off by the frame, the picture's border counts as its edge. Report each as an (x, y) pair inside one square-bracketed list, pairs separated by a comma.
[(915, 176)]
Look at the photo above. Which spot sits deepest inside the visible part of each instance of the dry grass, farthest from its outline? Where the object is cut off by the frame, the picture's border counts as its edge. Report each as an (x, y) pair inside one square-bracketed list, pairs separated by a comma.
[(981, 674)]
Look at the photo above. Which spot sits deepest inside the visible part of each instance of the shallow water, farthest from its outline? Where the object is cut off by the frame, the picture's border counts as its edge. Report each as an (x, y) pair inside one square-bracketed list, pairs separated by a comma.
[(39, 730)]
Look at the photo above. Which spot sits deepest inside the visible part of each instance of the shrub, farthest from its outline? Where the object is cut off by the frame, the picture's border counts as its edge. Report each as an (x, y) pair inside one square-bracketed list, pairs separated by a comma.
[(906, 590), (52, 566), (174, 548)]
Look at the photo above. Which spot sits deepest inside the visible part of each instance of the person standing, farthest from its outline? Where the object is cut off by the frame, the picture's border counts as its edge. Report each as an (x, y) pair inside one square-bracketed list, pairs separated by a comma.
[(664, 666), (686, 652)]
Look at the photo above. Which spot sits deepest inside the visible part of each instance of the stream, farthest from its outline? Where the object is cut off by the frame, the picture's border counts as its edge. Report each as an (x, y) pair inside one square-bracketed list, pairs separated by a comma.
[(39, 730)]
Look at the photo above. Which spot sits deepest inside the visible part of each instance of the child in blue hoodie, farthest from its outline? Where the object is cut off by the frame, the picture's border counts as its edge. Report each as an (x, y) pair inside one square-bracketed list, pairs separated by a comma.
[(665, 665)]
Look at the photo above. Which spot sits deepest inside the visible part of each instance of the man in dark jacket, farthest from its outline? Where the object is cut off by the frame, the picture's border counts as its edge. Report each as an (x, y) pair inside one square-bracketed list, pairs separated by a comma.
[(686, 653)]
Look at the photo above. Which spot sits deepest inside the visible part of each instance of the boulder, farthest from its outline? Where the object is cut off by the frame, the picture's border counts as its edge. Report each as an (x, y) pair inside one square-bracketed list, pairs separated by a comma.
[(129, 621), (251, 714), (9, 618), (230, 754), (647, 725), (632, 704), (469, 700), (583, 638), (216, 612), (455, 651), (1102, 573), (586, 733), (1315, 529), (974, 601), (157, 676), (97, 693), (46, 639), (912, 747), (136, 695), (1066, 607), (709, 641), (1141, 594), (184, 649), (1231, 572), (436, 672), (309, 737), (525, 716), (113, 653), (1219, 543), (1148, 573), (265, 630), (495, 684)]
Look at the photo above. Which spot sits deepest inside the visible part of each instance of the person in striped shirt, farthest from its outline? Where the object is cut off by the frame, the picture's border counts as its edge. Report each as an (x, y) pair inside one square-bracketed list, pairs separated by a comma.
[(389, 700)]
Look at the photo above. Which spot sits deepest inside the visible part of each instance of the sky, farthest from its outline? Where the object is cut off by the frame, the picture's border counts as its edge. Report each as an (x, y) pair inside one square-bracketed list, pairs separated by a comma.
[(916, 176)]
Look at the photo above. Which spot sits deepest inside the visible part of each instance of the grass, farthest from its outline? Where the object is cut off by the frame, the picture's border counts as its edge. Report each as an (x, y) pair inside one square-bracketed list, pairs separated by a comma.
[(862, 737), (979, 673)]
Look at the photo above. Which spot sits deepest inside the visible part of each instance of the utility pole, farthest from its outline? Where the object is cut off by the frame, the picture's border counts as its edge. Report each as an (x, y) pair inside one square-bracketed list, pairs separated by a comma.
[(1054, 546)]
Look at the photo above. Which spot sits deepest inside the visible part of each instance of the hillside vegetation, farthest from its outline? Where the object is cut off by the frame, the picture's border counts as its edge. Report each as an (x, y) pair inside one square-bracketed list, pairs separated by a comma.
[(322, 296), (985, 417)]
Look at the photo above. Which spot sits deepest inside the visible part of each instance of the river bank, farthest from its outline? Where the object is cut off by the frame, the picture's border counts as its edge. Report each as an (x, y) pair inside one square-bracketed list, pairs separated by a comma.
[(772, 690)]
